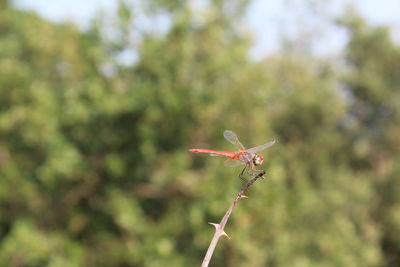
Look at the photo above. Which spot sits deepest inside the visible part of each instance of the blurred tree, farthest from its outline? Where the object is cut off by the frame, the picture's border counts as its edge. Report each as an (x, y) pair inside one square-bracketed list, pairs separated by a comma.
[(93, 162), (95, 149), (373, 124)]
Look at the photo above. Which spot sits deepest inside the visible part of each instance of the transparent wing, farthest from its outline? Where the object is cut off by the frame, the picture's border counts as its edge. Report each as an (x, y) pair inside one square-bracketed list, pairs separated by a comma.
[(215, 155), (232, 137), (233, 163), (261, 147)]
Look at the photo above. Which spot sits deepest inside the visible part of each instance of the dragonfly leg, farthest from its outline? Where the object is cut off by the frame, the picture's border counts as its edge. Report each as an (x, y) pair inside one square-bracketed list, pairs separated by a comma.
[(248, 171), (243, 173), (252, 170)]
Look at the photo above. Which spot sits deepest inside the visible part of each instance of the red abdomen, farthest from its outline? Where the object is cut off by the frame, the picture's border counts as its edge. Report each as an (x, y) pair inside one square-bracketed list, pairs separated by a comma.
[(231, 155)]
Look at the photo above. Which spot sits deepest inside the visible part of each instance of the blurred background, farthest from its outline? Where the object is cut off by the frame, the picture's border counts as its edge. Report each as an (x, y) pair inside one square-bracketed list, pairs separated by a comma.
[(100, 100)]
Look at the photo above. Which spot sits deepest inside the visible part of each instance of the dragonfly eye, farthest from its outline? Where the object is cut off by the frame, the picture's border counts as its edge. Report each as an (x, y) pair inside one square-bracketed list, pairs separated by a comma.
[(258, 160)]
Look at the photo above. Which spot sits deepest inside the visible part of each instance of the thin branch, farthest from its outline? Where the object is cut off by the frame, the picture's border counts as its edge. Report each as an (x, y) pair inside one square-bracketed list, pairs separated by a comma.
[(219, 228)]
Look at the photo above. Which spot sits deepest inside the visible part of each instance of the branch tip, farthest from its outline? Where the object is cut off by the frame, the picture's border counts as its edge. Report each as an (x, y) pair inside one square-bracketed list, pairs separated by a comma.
[(219, 228)]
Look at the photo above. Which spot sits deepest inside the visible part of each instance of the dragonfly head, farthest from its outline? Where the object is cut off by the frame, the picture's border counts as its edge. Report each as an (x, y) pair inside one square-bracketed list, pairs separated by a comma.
[(258, 160)]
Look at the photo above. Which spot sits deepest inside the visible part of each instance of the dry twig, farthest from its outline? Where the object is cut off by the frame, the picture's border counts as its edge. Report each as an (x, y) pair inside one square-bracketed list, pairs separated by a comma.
[(219, 228)]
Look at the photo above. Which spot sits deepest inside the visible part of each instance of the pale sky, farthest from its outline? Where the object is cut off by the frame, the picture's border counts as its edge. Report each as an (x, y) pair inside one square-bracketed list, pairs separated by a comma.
[(268, 19)]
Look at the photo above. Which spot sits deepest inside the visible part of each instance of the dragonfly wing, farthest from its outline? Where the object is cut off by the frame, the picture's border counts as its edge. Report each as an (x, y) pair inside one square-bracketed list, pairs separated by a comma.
[(233, 163), (261, 147), (232, 137)]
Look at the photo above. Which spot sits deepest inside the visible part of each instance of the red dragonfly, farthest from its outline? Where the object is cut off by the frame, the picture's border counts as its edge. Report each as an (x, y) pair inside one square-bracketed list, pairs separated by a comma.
[(243, 156)]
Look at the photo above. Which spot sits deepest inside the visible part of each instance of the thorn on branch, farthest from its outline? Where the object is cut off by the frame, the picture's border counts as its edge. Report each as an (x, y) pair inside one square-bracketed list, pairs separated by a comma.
[(215, 225), (225, 234)]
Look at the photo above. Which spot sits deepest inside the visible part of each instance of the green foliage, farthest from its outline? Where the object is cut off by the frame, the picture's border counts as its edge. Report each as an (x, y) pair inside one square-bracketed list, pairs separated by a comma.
[(94, 168), (373, 84)]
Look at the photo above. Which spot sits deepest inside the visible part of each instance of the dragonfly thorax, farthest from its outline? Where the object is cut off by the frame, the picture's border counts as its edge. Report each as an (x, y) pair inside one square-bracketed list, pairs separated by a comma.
[(258, 160)]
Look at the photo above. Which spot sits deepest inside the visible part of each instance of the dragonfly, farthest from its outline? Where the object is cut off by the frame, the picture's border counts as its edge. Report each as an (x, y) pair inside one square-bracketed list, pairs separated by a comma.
[(247, 157)]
